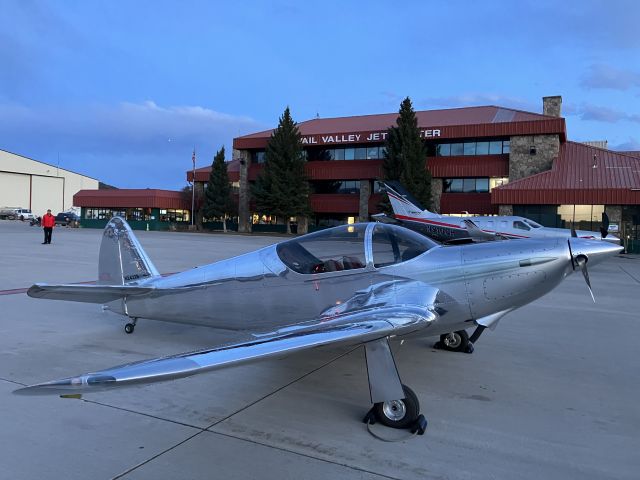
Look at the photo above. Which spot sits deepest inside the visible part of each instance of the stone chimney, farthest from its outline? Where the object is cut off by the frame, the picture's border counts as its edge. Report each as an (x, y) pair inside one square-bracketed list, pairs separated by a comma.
[(552, 106)]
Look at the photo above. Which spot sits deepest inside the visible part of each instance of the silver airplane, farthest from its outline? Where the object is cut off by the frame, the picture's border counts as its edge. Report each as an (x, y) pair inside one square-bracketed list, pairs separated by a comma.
[(361, 284), (449, 228)]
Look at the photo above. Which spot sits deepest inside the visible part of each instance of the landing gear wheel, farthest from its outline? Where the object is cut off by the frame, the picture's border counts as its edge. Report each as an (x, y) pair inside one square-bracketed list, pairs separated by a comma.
[(455, 342), (398, 413), (129, 328)]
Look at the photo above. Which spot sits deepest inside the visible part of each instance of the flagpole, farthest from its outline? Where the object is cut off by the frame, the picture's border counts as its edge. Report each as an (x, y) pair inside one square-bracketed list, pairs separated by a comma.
[(193, 186)]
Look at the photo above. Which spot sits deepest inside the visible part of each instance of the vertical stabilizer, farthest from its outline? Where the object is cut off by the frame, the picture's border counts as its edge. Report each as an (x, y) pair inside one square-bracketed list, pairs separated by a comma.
[(122, 259), (403, 203)]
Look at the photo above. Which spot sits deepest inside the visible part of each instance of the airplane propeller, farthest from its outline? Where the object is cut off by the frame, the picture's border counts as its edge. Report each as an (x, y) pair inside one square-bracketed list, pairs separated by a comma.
[(580, 262)]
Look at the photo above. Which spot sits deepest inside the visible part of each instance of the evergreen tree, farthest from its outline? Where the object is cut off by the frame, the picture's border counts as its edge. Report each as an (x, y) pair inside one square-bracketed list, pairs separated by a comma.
[(217, 196), (405, 155), (282, 188)]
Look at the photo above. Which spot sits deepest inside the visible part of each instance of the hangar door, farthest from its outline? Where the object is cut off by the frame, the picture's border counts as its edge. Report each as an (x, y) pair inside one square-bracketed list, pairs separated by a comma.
[(14, 190), (47, 192)]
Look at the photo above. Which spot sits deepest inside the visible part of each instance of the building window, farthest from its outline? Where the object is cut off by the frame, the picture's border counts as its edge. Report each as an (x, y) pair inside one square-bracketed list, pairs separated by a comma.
[(482, 148), (259, 156), (465, 185), (497, 182), (349, 153), (104, 213), (361, 153), (173, 215), (372, 153), (493, 147), (469, 148), (138, 214), (457, 149), (443, 150), (582, 215), (337, 186)]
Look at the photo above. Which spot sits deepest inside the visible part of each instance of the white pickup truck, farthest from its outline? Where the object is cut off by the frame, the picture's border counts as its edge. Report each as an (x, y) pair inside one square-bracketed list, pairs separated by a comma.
[(16, 214)]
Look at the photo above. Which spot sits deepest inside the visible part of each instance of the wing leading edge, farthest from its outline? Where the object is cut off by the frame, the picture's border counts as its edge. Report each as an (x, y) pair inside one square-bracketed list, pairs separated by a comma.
[(367, 323)]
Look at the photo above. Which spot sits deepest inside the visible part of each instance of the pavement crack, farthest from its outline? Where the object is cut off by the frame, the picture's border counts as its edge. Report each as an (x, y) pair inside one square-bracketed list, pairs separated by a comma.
[(295, 380), (625, 271), (217, 422), (305, 455), (13, 382)]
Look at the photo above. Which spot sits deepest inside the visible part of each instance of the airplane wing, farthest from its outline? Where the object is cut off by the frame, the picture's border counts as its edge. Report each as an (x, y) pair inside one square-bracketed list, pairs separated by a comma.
[(86, 293), (392, 308)]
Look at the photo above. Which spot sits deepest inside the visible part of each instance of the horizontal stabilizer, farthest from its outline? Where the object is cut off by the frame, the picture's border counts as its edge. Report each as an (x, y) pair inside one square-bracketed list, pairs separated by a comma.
[(86, 293)]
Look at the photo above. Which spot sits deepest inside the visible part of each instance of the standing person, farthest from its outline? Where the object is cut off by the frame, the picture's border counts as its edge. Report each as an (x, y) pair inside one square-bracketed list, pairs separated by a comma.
[(48, 222)]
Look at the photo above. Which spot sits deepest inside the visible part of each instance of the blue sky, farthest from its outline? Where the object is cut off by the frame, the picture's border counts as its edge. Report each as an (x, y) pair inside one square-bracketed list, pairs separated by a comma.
[(123, 91)]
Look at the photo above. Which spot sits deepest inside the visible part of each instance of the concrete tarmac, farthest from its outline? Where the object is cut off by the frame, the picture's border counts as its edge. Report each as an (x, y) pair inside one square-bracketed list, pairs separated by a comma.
[(551, 393)]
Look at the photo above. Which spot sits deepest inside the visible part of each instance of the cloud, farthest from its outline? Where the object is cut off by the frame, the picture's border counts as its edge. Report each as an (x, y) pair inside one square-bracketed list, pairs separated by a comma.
[(475, 99), (606, 76), (126, 144), (606, 114), (630, 145)]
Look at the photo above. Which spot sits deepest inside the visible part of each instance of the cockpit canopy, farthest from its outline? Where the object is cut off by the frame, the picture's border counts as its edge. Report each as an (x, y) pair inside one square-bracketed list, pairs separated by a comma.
[(345, 248)]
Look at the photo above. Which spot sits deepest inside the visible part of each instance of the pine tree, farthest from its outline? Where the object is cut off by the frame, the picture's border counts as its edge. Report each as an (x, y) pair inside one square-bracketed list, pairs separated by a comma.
[(405, 155), (282, 188), (217, 196)]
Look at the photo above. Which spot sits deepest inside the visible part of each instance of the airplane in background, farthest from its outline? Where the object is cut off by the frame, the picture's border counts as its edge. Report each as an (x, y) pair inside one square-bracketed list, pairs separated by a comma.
[(452, 229), (358, 285)]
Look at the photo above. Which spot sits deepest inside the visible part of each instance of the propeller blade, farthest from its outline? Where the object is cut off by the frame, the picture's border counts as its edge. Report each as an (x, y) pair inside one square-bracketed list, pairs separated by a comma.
[(586, 279), (582, 263), (573, 262)]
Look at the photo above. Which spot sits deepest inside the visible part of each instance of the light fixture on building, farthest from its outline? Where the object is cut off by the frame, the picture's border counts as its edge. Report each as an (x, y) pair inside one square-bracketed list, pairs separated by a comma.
[(532, 150)]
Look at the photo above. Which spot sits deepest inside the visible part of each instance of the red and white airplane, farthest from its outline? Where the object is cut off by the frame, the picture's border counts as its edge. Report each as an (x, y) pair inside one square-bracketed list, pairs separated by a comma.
[(448, 228)]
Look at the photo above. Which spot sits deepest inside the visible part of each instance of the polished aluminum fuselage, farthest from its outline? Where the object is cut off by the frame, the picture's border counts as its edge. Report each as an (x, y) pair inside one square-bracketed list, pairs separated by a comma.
[(258, 292)]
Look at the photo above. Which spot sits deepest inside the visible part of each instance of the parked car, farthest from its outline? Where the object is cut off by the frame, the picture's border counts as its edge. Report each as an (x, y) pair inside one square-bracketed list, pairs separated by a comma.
[(67, 219), (16, 214)]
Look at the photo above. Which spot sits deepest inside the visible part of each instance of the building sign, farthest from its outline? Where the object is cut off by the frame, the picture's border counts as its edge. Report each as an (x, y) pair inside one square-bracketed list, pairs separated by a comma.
[(359, 137)]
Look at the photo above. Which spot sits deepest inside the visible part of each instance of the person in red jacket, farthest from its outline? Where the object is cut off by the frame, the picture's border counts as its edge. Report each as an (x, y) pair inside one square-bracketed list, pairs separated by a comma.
[(48, 222)]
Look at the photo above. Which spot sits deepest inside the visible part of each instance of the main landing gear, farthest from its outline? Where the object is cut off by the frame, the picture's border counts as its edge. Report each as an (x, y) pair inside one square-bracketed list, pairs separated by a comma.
[(131, 326), (394, 405), (459, 341)]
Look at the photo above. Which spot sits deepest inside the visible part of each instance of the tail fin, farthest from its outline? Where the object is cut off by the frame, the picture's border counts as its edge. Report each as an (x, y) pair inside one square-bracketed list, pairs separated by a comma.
[(403, 203), (122, 259)]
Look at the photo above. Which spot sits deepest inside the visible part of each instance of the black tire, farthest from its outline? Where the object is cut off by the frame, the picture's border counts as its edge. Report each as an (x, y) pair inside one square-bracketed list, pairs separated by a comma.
[(129, 328), (399, 413), (455, 341)]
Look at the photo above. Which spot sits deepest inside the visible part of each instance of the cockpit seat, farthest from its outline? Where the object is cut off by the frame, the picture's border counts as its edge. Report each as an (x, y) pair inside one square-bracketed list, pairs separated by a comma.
[(332, 266), (351, 262)]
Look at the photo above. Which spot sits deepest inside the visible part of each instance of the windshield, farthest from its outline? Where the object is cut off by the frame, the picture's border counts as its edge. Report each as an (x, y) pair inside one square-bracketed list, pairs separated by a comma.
[(331, 250), (392, 244), (532, 223)]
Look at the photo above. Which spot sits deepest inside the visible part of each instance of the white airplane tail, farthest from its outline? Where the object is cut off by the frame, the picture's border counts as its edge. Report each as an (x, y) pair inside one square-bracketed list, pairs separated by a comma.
[(404, 204)]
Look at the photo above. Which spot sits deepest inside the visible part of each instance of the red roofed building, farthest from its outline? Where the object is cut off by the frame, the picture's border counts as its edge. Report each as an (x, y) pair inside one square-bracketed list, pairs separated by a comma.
[(150, 209), (483, 160)]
